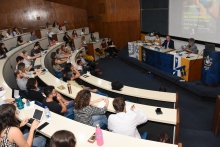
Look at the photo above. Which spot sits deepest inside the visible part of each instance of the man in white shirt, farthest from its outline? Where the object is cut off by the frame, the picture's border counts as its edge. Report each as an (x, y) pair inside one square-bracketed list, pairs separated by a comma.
[(125, 121)]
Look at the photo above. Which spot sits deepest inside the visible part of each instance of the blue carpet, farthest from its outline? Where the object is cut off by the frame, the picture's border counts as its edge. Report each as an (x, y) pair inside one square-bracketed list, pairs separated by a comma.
[(195, 114)]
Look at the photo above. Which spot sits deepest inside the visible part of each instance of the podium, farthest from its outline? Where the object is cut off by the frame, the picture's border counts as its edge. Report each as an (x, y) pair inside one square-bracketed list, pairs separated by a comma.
[(211, 68)]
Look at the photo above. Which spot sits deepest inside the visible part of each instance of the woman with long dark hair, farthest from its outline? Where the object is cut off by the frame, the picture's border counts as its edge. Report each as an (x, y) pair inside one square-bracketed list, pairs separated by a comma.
[(20, 41), (11, 135)]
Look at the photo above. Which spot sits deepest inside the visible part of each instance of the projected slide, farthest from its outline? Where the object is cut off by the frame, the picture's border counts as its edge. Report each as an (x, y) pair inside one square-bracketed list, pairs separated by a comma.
[(195, 18)]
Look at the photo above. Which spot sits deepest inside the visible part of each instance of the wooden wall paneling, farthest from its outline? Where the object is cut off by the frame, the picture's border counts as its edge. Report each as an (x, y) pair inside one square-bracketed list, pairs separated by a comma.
[(24, 13)]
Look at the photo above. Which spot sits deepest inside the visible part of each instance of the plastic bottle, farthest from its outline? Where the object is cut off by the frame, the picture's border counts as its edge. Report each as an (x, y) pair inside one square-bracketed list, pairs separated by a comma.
[(19, 102), (47, 113), (99, 136)]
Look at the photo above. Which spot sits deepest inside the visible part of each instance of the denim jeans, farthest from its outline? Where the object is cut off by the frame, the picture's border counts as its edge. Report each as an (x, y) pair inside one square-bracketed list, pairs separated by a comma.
[(39, 141), (70, 108), (99, 119)]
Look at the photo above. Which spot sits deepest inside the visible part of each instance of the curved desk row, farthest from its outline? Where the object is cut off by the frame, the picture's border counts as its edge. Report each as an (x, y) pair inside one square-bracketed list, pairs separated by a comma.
[(12, 41), (10, 61), (169, 116), (127, 90), (81, 131)]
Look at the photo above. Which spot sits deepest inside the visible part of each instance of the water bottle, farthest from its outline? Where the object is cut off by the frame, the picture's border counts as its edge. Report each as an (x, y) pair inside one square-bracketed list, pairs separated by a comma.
[(99, 136), (47, 113), (19, 103)]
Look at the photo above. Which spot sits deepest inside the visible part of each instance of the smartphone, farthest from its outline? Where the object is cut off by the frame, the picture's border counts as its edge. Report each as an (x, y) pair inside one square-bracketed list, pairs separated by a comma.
[(42, 126), (92, 138)]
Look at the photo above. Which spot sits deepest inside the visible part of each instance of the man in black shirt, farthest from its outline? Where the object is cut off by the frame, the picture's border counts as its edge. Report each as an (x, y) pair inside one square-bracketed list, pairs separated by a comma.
[(57, 104), (36, 50)]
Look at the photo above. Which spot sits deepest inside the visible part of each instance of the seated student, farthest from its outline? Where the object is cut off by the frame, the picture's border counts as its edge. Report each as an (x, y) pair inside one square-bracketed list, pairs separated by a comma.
[(85, 67), (83, 41), (125, 122), (55, 24), (9, 33), (20, 41), (112, 47), (36, 51), (157, 40), (60, 30), (65, 51), (21, 79), (68, 47), (40, 48), (57, 64), (50, 34), (191, 47), (74, 34), (15, 31), (2, 36), (168, 43), (92, 38), (34, 92), (88, 57), (83, 32), (27, 59), (20, 59), (11, 135), (88, 114), (3, 50), (67, 38), (104, 47), (63, 138), (56, 103), (61, 55), (33, 36), (29, 74)]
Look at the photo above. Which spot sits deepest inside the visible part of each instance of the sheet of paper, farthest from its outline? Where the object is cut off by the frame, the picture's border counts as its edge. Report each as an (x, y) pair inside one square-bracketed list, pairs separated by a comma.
[(101, 104), (16, 94), (2, 93)]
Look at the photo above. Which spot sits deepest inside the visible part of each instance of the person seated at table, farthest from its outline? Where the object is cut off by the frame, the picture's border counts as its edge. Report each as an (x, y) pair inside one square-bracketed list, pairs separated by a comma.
[(168, 43), (36, 51), (125, 121), (20, 41), (112, 46), (3, 50), (157, 40), (63, 138), (61, 54), (67, 38), (11, 135), (40, 48), (34, 92), (88, 57), (2, 36), (19, 59), (104, 47), (29, 74), (15, 31), (88, 114), (83, 32), (28, 60), (55, 24), (74, 34), (21, 79), (85, 67), (58, 62), (191, 47), (64, 51), (9, 33), (68, 47), (92, 38), (33, 36), (60, 30), (57, 103), (50, 34), (83, 41)]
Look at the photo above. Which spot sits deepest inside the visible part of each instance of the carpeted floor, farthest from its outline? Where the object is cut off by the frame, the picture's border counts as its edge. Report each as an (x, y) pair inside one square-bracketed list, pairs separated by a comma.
[(195, 114)]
